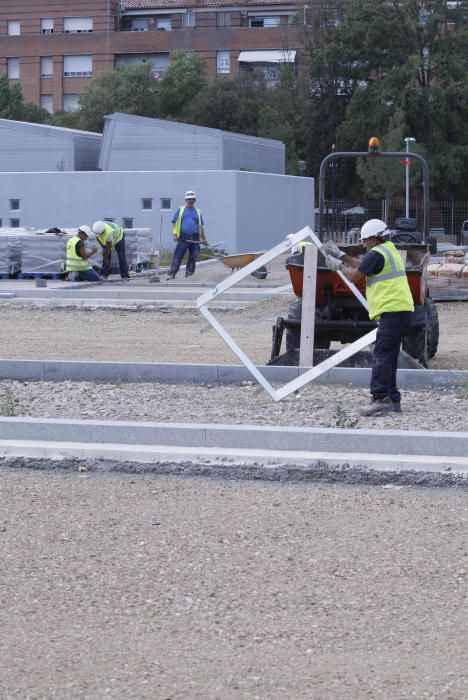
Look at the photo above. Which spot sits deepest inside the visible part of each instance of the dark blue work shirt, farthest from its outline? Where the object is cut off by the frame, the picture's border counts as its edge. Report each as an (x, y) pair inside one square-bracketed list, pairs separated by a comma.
[(371, 264)]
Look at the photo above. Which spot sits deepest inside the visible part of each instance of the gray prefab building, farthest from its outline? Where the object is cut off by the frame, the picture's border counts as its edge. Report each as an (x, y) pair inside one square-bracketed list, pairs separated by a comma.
[(26, 147), (247, 211), (141, 143)]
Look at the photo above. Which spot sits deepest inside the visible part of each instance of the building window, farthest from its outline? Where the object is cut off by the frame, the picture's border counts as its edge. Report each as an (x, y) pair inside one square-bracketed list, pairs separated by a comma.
[(14, 223), (47, 67), (1, 223), (47, 103), (147, 203), (77, 66), (110, 219), (273, 21), (77, 25), (164, 24), (223, 19), (14, 27), (47, 26), (13, 68), (140, 25), (188, 20), (14, 204), (223, 62), (70, 102), (166, 203), (127, 222)]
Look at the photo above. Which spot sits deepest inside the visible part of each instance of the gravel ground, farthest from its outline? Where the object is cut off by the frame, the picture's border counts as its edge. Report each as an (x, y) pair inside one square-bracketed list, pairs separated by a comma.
[(192, 589), (174, 335), (329, 406)]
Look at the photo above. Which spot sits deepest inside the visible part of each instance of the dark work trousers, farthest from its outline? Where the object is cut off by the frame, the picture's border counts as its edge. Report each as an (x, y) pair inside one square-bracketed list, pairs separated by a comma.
[(123, 265), (392, 327), (84, 276), (181, 248)]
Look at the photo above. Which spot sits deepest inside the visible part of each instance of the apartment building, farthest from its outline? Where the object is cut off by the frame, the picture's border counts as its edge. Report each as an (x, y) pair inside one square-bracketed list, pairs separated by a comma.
[(54, 48)]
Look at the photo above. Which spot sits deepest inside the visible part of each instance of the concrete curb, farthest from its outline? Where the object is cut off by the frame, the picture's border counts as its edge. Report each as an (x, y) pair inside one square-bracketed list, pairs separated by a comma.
[(61, 370), (240, 437)]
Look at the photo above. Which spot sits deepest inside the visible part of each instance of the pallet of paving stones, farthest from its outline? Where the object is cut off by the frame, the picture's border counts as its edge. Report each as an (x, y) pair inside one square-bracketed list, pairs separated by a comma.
[(448, 288)]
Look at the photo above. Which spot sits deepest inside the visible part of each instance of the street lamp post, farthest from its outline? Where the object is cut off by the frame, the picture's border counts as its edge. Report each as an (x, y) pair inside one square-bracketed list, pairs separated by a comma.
[(408, 140)]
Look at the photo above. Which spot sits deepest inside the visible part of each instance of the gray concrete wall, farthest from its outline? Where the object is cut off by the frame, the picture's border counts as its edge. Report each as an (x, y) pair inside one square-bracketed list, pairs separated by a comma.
[(270, 207), (245, 210)]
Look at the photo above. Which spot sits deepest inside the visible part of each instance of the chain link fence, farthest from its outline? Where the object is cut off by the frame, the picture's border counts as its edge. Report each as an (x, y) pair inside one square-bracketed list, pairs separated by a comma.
[(343, 219)]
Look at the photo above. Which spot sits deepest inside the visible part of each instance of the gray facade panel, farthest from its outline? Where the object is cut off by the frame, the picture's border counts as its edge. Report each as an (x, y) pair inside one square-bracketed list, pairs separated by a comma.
[(257, 157), (38, 148), (140, 143)]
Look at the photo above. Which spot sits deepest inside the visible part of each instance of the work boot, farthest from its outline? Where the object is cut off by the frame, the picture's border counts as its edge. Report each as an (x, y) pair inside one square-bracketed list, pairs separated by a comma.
[(170, 276), (380, 407), (189, 274)]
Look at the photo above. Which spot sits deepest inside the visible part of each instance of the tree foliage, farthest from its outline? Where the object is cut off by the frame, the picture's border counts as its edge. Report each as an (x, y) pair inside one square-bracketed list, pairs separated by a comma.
[(13, 106)]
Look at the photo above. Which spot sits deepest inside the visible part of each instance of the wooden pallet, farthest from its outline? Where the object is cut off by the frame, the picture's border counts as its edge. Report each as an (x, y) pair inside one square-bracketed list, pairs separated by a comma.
[(40, 275)]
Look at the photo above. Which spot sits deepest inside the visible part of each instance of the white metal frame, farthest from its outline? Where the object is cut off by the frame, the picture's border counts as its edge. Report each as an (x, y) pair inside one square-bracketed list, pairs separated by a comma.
[(232, 280)]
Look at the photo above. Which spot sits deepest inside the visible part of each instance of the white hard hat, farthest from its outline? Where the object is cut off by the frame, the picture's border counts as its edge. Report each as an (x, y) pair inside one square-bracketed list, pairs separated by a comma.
[(190, 195), (85, 229), (98, 227), (374, 228)]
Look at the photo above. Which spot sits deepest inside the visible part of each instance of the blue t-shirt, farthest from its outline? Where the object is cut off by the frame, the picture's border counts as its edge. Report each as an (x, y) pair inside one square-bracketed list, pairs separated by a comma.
[(189, 223), (372, 263)]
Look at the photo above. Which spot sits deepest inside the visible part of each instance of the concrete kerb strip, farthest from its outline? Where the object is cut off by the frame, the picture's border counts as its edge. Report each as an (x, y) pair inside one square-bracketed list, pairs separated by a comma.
[(235, 437), (154, 449), (83, 371)]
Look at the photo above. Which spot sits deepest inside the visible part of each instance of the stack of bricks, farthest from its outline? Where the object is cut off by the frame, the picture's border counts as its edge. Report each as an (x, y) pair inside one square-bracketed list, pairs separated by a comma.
[(453, 265)]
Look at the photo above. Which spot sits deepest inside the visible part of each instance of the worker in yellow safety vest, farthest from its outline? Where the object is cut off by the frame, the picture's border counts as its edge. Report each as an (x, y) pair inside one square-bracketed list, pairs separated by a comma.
[(390, 303), (188, 231), (78, 267), (111, 237)]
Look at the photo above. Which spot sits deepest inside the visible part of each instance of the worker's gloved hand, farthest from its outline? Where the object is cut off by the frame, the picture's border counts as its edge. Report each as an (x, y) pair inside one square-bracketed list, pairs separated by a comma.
[(332, 263), (332, 249)]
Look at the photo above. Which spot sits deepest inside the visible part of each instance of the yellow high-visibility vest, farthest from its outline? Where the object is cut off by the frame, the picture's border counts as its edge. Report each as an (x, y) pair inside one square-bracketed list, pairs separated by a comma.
[(117, 234), (74, 262), (176, 226), (388, 290)]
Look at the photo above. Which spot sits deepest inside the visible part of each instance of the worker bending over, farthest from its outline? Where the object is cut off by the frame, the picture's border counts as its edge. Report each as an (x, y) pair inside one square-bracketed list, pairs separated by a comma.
[(78, 266), (110, 236), (390, 303), (187, 230)]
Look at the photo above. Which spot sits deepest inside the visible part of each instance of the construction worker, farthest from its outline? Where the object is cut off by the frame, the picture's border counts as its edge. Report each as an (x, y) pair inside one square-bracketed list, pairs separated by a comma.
[(187, 230), (390, 303), (110, 236), (78, 266)]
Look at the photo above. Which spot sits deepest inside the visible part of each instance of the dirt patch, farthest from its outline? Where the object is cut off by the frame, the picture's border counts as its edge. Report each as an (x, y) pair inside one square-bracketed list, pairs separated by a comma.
[(175, 335)]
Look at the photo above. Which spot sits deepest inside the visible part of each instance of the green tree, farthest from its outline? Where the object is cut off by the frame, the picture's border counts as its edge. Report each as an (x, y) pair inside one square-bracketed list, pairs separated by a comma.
[(384, 178), (132, 90), (13, 106), (181, 83), (231, 104), (408, 57)]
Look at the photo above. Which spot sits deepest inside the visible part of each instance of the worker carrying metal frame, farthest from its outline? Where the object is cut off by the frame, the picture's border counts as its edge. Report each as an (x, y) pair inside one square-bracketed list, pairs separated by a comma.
[(390, 303)]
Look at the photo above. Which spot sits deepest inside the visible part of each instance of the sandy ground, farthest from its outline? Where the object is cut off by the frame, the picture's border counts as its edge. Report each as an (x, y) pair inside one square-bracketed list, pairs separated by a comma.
[(183, 589), (174, 335)]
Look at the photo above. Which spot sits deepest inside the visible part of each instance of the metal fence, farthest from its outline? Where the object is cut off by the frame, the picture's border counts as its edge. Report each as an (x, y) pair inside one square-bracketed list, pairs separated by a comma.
[(446, 218)]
